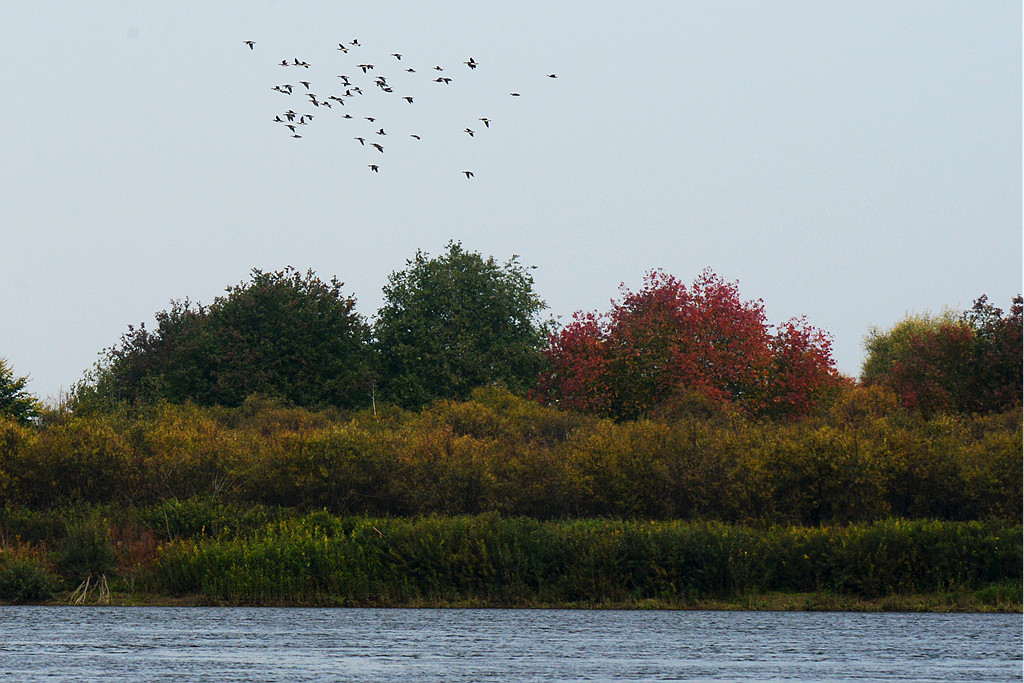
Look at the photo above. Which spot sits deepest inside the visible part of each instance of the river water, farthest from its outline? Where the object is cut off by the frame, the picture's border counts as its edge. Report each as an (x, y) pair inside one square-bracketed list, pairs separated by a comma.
[(283, 644)]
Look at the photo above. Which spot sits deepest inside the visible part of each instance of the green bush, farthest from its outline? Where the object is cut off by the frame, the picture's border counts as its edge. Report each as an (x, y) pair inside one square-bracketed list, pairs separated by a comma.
[(25, 579)]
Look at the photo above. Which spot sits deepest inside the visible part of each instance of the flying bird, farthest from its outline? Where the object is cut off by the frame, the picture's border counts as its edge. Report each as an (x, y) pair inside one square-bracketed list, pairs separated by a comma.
[(381, 132), (250, 43), (362, 141), (396, 56), (379, 148), (471, 63), (514, 94), (342, 47), (354, 42), (413, 135), (370, 119), (305, 83), (469, 174), (470, 131), (407, 99), (365, 67), (374, 167), (487, 122), (437, 68), (552, 76)]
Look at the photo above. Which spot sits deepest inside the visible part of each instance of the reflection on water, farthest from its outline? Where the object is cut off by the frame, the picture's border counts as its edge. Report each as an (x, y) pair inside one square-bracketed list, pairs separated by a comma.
[(242, 644)]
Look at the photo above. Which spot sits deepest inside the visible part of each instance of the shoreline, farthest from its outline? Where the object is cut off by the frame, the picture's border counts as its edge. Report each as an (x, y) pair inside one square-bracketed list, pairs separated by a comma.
[(938, 603)]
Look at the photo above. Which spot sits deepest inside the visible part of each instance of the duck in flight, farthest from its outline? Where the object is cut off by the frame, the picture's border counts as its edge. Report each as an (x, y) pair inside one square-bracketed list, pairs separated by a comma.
[(250, 43), (469, 174), (471, 63)]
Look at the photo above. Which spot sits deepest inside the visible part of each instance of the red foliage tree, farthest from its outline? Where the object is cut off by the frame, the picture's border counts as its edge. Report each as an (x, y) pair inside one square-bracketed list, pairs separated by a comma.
[(973, 364), (702, 340)]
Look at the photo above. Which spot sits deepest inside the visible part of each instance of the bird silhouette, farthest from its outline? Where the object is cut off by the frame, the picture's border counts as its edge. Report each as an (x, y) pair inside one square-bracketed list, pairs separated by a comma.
[(362, 141), (381, 132), (407, 99), (374, 167), (470, 131), (379, 148), (396, 56), (487, 122), (471, 63), (342, 47), (365, 67), (413, 135), (469, 174), (552, 76), (250, 43), (514, 94)]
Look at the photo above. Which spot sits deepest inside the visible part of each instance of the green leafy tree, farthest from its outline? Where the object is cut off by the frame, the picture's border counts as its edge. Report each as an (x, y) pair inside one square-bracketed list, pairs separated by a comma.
[(455, 322), (284, 334), (14, 400)]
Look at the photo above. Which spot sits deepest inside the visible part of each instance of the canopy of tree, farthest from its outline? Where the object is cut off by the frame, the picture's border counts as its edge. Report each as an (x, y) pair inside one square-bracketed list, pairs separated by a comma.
[(14, 400), (455, 322), (971, 362), (668, 344), (283, 334)]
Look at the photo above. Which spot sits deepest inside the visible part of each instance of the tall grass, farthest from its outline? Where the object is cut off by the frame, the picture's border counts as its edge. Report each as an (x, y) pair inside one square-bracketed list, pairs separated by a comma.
[(319, 559)]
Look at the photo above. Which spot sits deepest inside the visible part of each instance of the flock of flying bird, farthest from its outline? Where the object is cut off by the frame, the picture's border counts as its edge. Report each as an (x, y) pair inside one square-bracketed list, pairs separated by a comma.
[(348, 89)]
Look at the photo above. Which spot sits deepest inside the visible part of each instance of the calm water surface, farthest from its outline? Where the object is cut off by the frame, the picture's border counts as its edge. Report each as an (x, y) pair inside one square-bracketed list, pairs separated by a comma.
[(243, 644)]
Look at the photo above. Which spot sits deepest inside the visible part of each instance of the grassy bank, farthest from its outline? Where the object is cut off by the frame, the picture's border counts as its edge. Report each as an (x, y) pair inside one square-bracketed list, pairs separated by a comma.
[(212, 554)]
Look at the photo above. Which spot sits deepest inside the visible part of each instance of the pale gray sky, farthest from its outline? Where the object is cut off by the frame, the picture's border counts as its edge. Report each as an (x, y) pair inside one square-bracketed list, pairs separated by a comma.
[(847, 161)]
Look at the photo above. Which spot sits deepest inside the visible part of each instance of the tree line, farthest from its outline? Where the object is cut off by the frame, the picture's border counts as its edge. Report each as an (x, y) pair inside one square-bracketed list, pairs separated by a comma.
[(459, 321)]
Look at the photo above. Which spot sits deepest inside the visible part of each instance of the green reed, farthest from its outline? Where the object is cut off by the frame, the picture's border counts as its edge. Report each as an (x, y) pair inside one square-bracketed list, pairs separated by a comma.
[(321, 559)]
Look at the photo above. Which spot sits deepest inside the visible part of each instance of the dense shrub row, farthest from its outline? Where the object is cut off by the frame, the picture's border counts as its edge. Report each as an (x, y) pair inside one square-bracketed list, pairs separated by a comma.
[(866, 460)]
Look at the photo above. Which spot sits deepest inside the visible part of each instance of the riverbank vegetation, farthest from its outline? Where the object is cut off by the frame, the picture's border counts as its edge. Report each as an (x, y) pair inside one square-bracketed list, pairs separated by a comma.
[(201, 552), (275, 447), (500, 501)]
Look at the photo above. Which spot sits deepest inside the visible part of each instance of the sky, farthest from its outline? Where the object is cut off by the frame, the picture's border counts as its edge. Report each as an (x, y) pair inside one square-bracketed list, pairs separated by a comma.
[(850, 162)]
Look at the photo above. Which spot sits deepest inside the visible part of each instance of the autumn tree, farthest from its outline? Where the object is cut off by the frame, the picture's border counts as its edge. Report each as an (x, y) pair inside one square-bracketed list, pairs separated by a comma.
[(702, 340), (455, 322), (283, 334), (971, 362)]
